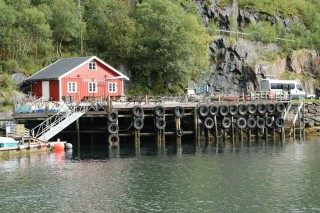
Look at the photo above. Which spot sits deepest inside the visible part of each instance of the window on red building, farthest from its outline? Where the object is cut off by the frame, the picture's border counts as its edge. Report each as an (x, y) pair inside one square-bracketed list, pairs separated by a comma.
[(92, 65), (112, 87), (72, 87), (92, 87)]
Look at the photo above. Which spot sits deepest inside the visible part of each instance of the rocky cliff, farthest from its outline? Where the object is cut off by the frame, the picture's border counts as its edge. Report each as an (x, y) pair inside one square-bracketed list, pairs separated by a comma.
[(239, 63)]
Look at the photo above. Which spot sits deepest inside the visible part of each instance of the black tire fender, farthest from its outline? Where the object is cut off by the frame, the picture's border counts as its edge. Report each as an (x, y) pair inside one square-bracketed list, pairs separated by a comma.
[(159, 111), (271, 108), (112, 116), (233, 109), (208, 123), (113, 128), (160, 123), (203, 110), (261, 108), (252, 109), (241, 123), (226, 122), (261, 123), (280, 107), (138, 123), (178, 111), (213, 110), (224, 110), (269, 121), (137, 111), (179, 132), (113, 138), (279, 122), (243, 110), (251, 123)]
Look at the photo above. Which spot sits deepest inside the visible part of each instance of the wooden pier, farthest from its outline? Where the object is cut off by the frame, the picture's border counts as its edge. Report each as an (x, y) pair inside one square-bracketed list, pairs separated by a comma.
[(216, 120)]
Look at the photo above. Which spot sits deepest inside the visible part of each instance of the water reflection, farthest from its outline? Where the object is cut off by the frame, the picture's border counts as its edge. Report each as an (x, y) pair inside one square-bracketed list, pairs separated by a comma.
[(186, 178)]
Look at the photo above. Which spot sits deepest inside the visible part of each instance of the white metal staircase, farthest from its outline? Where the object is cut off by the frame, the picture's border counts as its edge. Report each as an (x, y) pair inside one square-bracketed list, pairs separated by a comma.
[(56, 123)]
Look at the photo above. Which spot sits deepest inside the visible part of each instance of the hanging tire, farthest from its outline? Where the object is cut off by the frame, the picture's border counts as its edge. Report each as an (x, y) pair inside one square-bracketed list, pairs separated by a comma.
[(137, 111), (233, 109), (262, 109), (203, 110), (208, 123), (271, 108), (241, 123), (251, 123), (113, 128), (160, 123), (112, 116), (280, 107), (138, 123), (213, 110), (252, 108), (113, 138), (159, 111), (226, 122), (279, 122), (224, 110), (242, 109), (179, 132), (269, 121), (178, 111), (261, 123)]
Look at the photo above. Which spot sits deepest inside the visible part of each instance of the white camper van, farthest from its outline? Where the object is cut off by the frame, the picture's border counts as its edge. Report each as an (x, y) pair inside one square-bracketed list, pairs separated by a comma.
[(279, 86)]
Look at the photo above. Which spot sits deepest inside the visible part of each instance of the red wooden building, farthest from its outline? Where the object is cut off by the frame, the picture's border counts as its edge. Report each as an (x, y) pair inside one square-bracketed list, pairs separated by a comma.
[(76, 79)]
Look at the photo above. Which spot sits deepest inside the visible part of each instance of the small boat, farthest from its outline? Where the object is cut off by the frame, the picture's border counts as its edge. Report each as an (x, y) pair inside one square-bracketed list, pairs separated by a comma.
[(8, 142)]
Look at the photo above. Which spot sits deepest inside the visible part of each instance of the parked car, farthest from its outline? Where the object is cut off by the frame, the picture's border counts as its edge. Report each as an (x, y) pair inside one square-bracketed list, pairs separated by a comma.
[(317, 93), (310, 96)]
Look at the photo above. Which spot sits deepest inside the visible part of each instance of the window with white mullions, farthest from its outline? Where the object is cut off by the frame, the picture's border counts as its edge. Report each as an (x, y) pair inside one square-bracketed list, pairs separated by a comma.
[(72, 87), (92, 65), (92, 86), (112, 87)]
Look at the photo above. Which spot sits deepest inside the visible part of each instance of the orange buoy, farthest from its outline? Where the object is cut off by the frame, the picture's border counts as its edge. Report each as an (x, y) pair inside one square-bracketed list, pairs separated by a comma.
[(58, 147)]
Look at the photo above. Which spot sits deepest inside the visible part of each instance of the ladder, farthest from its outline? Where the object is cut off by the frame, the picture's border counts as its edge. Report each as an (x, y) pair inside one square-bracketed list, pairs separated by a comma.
[(57, 122)]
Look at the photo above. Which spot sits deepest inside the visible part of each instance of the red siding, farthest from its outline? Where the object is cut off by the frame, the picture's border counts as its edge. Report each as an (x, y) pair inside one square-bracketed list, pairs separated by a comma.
[(37, 88), (82, 76), (54, 90), (82, 87)]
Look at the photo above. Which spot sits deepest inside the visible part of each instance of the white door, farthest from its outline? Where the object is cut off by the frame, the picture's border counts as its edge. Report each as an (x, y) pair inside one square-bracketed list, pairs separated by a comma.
[(45, 90)]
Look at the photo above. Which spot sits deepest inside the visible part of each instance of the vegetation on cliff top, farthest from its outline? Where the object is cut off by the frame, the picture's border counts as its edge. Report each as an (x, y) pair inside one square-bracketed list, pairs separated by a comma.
[(163, 43)]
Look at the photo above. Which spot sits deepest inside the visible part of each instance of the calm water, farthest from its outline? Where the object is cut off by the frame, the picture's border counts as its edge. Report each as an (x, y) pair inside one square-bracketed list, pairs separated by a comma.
[(259, 178)]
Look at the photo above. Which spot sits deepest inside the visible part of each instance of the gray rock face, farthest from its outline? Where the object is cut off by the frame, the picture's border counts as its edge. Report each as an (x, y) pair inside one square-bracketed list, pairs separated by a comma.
[(238, 64), (18, 78)]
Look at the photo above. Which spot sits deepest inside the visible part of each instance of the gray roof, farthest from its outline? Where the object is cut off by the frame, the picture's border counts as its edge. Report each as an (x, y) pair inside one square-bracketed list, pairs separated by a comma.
[(58, 68)]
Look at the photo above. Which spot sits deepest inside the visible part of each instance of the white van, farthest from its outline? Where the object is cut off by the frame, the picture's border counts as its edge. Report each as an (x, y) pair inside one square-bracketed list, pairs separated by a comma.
[(280, 86)]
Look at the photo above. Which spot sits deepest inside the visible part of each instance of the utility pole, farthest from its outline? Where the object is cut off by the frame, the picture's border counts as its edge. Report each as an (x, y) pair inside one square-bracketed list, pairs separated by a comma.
[(81, 37)]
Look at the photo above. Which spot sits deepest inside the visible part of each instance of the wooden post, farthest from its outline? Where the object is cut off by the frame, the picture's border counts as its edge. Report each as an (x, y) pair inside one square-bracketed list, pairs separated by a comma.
[(266, 134), (241, 136), (178, 124), (137, 137), (196, 124), (282, 135), (232, 131), (216, 131), (78, 134)]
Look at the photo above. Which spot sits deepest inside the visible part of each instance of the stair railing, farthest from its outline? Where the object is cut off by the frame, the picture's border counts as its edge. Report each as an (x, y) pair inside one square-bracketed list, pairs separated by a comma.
[(55, 119)]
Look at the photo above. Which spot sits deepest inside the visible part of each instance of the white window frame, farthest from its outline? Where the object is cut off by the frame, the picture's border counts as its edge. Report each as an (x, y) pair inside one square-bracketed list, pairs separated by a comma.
[(112, 87), (72, 87), (92, 87), (92, 66)]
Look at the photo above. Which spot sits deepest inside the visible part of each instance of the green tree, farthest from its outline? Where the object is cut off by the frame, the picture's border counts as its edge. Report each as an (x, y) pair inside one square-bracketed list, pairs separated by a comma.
[(171, 47), (110, 29), (65, 25)]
